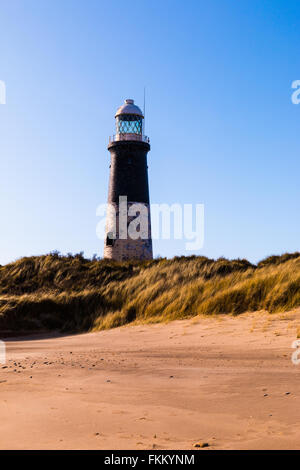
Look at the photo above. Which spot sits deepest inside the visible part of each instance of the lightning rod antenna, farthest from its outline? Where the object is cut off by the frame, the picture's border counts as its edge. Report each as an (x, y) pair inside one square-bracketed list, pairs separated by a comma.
[(144, 107)]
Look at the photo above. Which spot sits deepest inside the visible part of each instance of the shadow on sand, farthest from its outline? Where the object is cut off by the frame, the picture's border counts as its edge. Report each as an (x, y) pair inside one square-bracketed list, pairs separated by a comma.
[(12, 336)]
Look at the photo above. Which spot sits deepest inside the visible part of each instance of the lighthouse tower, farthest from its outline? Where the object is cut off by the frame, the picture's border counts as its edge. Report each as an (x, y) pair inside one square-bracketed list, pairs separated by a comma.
[(128, 193)]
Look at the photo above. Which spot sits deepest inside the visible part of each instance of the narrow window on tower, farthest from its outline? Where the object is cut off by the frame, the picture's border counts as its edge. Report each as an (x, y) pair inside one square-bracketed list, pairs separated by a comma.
[(110, 239)]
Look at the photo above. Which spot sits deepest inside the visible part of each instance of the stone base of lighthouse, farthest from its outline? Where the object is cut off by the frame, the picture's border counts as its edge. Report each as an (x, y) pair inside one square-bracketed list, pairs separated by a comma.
[(118, 244)]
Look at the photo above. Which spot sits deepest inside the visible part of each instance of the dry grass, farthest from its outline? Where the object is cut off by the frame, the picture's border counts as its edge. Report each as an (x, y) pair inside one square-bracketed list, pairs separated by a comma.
[(71, 293)]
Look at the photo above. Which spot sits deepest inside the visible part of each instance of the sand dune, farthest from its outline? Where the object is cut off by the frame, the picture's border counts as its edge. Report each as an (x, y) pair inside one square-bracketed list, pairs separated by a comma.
[(223, 380)]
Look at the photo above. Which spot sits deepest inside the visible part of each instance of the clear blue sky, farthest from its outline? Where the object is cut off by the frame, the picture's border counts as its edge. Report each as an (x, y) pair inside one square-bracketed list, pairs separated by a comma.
[(223, 129)]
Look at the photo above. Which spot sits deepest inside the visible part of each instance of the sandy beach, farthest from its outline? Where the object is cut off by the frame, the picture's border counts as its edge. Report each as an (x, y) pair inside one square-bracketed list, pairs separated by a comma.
[(228, 381)]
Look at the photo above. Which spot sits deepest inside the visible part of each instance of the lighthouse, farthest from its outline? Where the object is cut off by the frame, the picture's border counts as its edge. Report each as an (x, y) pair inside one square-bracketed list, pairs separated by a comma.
[(128, 223)]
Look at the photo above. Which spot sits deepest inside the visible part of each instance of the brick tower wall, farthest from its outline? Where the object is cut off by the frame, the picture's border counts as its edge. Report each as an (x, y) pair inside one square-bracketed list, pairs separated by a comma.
[(128, 177)]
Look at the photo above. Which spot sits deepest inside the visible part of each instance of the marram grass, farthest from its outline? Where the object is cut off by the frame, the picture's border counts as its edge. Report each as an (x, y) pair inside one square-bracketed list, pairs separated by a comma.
[(71, 293)]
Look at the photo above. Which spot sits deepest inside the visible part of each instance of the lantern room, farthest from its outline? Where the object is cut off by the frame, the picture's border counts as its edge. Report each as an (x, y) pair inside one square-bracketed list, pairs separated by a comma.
[(129, 122)]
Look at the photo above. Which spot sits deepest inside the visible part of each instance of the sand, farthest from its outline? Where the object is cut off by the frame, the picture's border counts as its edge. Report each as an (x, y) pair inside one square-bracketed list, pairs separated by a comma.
[(226, 381)]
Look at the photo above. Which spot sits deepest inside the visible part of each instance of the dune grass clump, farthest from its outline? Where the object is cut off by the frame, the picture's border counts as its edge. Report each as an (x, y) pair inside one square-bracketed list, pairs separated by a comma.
[(72, 293)]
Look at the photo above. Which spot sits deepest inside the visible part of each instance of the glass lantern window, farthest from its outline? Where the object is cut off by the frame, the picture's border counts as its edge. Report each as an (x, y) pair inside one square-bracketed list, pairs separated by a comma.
[(129, 124)]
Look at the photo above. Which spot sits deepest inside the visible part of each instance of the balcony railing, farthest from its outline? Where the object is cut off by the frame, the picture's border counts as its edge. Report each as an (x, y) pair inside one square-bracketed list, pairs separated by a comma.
[(118, 137)]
